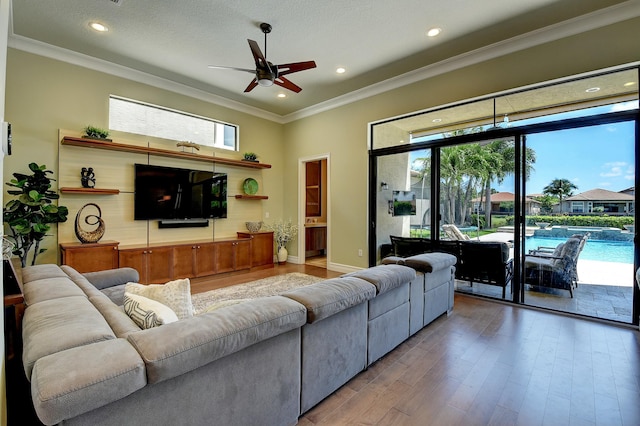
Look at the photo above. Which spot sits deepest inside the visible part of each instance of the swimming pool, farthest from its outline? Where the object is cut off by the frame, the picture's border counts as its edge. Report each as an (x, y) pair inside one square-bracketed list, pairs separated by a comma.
[(606, 251)]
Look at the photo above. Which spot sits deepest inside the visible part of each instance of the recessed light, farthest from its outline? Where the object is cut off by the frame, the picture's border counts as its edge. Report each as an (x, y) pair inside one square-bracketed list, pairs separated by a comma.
[(629, 84), (98, 27), (341, 70), (434, 32), (592, 89), (436, 120), (282, 95)]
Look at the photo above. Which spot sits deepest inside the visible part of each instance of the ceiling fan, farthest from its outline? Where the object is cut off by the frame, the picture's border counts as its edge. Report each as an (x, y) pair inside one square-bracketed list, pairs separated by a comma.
[(266, 73)]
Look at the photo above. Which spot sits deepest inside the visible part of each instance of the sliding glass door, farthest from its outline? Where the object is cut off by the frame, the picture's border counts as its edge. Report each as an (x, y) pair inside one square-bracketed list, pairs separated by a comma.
[(579, 249)]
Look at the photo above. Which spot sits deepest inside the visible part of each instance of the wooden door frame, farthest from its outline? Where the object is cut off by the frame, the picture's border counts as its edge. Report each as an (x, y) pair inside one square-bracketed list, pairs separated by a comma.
[(302, 205)]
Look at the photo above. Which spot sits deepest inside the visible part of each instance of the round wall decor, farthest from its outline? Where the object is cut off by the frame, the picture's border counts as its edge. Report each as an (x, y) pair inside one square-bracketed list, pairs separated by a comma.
[(250, 186)]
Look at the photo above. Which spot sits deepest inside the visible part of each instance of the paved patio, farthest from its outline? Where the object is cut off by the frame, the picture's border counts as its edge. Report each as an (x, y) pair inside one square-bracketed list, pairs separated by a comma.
[(605, 289)]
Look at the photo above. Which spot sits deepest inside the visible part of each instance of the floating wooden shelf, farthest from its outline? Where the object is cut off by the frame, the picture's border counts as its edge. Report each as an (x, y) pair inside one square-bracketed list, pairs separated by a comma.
[(252, 197), (114, 146), (91, 191)]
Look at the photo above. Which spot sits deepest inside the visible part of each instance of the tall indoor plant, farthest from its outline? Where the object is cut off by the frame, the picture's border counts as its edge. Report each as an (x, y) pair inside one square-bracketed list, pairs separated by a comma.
[(30, 214), (283, 232)]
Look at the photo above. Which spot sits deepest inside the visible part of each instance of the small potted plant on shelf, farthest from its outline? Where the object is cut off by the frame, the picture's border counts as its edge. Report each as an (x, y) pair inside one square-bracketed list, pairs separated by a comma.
[(250, 156), (283, 232), (93, 132), (30, 214)]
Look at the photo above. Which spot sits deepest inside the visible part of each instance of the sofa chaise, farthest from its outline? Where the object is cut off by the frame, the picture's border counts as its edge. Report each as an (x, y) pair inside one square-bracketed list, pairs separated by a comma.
[(263, 361)]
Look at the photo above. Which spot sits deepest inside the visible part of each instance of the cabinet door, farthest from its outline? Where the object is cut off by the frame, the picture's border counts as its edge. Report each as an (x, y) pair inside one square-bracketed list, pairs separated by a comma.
[(261, 247), (184, 261), (205, 260), (90, 257), (242, 255), (160, 265), (136, 259), (224, 255)]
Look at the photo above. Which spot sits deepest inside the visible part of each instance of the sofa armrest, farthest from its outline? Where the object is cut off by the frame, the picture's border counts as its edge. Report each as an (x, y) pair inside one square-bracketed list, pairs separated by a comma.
[(179, 347), (112, 277), (329, 297), (77, 380)]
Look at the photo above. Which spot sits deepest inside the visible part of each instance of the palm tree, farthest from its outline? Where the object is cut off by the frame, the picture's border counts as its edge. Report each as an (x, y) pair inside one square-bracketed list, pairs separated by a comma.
[(506, 150), (560, 188)]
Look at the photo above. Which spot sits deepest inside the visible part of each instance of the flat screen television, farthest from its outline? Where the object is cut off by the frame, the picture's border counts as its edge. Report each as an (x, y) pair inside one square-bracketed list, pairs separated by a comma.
[(404, 203), (177, 194)]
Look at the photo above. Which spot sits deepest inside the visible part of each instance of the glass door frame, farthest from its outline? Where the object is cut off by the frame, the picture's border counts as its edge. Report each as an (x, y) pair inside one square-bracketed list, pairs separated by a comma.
[(519, 136)]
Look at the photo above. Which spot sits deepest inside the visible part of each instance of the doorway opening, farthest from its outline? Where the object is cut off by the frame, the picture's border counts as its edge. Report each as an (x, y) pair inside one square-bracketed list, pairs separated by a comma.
[(313, 211)]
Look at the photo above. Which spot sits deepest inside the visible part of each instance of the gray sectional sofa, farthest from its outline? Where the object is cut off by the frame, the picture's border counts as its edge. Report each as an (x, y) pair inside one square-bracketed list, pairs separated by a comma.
[(264, 361)]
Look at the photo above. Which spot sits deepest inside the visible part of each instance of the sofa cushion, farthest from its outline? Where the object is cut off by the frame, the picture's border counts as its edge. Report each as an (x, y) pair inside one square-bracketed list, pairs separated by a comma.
[(55, 325), (39, 272), (118, 320), (77, 380), (115, 294), (393, 260), (79, 279), (329, 297), (147, 313), (112, 277), (49, 288), (385, 277), (430, 262), (179, 347), (174, 294)]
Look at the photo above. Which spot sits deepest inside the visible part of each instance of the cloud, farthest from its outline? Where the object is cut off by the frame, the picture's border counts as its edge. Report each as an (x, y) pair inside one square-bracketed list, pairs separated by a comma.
[(604, 184), (614, 169)]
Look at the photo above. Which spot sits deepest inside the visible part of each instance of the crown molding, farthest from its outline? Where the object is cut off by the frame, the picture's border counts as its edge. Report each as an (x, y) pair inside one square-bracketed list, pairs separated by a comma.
[(86, 61), (591, 21), (611, 15)]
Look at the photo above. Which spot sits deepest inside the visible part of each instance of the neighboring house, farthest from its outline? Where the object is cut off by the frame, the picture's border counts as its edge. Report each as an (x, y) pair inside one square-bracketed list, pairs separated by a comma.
[(531, 206), (601, 201)]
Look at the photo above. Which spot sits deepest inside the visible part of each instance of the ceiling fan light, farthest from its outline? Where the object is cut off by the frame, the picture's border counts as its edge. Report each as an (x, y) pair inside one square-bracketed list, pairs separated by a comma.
[(265, 82)]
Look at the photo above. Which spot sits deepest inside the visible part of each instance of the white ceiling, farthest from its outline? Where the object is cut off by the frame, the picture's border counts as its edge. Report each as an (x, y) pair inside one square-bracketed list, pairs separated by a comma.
[(375, 40)]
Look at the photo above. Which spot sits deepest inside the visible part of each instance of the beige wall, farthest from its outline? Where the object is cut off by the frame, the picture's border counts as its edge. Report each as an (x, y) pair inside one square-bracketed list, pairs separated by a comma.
[(44, 95), (342, 132)]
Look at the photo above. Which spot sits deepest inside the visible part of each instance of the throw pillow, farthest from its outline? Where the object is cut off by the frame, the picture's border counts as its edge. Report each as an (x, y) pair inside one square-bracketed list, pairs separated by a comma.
[(147, 313), (175, 294)]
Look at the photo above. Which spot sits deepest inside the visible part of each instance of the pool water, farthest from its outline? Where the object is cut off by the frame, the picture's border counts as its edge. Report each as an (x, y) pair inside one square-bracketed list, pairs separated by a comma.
[(605, 251)]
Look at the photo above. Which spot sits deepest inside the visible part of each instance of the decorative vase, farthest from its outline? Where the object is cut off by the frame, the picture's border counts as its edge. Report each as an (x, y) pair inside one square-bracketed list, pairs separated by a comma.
[(90, 236), (282, 255)]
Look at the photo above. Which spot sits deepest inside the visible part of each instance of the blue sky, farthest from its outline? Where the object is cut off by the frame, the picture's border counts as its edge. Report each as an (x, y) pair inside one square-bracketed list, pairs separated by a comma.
[(590, 157)]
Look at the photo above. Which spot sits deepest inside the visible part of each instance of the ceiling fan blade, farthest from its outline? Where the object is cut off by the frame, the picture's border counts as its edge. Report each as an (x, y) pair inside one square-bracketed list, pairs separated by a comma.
[(232, 68), (285, 69), (261, 61), (287, 84), (251, 85)]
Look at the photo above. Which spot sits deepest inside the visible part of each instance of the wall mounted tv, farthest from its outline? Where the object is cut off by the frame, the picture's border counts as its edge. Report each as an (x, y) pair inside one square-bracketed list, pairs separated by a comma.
[(179, 195)]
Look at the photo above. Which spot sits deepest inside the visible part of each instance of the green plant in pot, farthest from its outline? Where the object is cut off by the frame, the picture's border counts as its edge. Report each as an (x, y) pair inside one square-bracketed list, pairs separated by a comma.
[(95, 133), (250, 156), (30, 215)]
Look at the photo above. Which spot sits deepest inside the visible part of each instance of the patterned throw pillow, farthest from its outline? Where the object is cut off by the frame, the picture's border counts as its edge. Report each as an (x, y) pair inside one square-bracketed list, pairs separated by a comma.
[(147, 313), (175, 294)]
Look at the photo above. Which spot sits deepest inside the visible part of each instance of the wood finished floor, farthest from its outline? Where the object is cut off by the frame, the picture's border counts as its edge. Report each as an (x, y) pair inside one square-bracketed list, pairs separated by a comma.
[(495, 364), (487, 363)]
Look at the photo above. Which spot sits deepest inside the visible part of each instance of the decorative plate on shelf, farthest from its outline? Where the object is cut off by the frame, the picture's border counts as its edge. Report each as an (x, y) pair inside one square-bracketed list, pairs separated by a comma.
[(250, 186)]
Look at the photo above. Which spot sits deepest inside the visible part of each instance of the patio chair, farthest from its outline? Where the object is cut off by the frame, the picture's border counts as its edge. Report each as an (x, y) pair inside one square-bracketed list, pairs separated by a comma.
[(558, 270), (555, 252), (453, 233), (485, 262)]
